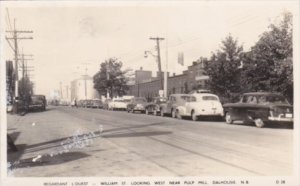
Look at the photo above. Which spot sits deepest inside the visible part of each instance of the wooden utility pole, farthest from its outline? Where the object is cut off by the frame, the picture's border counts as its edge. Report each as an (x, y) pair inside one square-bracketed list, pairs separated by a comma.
[(157, 39), (15, 37)]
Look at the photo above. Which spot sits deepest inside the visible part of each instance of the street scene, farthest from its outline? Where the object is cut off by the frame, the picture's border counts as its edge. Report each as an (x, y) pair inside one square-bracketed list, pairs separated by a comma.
[(85, 141), (205, 89)]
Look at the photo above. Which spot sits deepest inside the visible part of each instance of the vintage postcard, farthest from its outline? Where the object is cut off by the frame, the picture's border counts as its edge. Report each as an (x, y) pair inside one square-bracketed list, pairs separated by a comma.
[(149, 93)]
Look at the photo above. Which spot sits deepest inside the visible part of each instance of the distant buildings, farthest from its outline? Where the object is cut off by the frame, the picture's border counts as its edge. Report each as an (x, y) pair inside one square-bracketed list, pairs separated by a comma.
[(83, 88), (191, 79)]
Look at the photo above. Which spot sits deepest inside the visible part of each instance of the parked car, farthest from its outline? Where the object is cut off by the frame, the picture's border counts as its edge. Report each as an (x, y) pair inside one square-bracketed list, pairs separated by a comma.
[(155, 106), (118, 104), (174, 101), (137, 104), (37, 102), (88, 103), (203, 104), (260, 108), (96, 103), (83, 103)]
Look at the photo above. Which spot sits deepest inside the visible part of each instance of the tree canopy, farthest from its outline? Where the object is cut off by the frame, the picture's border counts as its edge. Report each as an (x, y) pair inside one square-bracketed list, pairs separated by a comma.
[(224, 68), (269, 64), (110, 78)]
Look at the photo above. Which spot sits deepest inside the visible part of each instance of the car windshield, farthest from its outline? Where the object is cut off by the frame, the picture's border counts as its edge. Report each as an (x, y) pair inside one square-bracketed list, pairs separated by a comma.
[(271, 99), (160, 100), (209, 98), (36, 98)]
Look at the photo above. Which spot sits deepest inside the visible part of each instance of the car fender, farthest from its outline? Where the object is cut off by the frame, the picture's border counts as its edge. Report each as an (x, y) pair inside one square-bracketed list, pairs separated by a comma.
[(181, 110)]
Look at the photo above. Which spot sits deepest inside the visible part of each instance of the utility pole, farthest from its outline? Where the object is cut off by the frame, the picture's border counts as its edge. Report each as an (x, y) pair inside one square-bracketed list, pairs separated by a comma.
[(15, 37), (85, 77), (158, 39)]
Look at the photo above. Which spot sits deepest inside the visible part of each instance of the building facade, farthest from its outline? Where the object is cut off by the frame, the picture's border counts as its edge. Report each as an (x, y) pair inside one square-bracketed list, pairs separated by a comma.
[(192, 78), (83, 88)]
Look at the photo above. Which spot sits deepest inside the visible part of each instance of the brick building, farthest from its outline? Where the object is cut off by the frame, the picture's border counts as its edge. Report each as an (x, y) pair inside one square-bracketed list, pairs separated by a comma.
[(190, 79)]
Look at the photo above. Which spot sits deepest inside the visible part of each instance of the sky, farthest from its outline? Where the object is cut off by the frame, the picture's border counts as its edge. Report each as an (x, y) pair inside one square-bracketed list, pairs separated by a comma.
[(69, 37)]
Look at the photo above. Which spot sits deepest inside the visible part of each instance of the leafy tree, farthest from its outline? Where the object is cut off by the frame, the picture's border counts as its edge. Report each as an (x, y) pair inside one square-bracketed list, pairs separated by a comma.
[(111, 78), (25, 90), (224, 69), (269, 65)]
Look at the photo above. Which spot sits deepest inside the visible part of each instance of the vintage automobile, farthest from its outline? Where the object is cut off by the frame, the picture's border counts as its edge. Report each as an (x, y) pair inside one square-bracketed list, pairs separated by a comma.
[(37, 102), (155, 106), (96, 103), (137, 104), (117, 104), (260, 108), (174, 101), (203, 104)]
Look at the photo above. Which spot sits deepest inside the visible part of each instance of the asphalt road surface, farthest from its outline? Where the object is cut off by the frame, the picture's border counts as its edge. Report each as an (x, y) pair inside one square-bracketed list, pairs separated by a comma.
[(65, 141)]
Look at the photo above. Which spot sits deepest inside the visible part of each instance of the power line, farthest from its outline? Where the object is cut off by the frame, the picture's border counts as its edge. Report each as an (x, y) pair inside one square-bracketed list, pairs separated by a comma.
[(15, 38)]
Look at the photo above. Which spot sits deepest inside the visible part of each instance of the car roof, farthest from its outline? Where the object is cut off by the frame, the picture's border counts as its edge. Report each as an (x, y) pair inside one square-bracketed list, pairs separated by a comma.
[(178, 95), (204, 94)]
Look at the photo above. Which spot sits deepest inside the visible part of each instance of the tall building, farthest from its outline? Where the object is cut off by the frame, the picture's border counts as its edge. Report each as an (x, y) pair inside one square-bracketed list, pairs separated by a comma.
[(83, 88)]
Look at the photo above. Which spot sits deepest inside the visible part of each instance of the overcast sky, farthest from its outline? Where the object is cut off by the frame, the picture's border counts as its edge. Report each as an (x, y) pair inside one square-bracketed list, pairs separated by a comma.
[(67, 36)]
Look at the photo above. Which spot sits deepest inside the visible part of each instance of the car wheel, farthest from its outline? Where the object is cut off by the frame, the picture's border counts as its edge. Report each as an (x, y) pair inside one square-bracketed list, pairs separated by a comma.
[(173, 114), (146, 112), (194, 116), (178, 116), (259, 123), (228, 118)]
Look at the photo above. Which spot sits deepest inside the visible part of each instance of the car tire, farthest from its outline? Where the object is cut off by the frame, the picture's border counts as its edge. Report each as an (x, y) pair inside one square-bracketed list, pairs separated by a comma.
[(259, 123), (173, 114), (178, 116), (194, 116), (228, 118)]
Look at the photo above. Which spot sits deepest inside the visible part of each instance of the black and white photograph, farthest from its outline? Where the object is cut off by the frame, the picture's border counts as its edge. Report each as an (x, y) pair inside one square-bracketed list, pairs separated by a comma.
[(150, 89)]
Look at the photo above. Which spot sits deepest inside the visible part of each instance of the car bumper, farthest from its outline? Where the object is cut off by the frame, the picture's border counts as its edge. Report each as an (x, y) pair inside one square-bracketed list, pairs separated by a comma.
[(139, 108), (210, 114), (271, 118)]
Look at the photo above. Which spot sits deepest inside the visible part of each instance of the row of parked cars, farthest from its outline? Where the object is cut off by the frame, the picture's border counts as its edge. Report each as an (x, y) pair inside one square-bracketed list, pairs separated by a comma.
[(259, 108)]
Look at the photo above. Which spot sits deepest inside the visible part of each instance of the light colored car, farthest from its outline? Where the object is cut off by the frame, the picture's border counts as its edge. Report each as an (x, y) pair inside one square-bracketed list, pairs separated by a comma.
[(204, 104), (117, 105)]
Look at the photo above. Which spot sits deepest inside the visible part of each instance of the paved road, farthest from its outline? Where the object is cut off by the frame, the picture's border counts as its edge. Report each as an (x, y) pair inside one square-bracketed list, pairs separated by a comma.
[(64, 141)]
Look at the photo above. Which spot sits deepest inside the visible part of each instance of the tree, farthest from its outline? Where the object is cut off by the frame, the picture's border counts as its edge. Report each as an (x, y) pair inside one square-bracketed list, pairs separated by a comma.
[(269, 65), (25, 89), (111, 78), (10, 82), (223, 69)]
